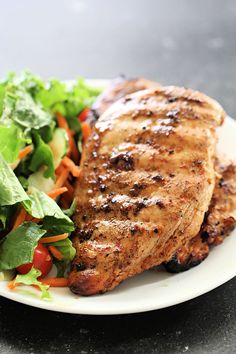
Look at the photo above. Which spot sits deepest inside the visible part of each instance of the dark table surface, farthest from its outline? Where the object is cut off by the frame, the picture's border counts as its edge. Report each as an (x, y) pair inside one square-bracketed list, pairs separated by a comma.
[(185, 42)]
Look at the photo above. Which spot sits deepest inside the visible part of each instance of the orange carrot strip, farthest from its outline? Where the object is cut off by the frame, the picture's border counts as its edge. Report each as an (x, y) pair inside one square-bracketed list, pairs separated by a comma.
[(20, 218), (35, 220), (59, 169), (86, 130), (56, 192), (55, 282), (56, 253), (12, 284), (74, 169), (62, 178), (28, 217), (56, 238), (27, 150), (31, 218), (61, 121)]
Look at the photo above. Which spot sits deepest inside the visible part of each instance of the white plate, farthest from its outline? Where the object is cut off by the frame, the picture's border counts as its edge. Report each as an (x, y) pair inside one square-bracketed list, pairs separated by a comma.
[(154, 289)]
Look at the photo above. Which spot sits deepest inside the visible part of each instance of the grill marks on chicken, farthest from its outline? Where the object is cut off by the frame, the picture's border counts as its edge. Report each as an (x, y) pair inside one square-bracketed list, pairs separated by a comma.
[(219, 221), (118, 88), (146, 182)]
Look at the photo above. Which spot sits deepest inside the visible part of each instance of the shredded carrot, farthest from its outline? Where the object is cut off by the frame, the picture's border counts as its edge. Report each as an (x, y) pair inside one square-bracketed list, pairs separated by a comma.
[(31, 218), (61, 121), (12, 284), (20, 218), (35, 220), (62, 178), (59, 169), (27, 150), (55, 282), (56, 238), (28, 217), (55, 252), (86, 130), (56, 192), (74, 169)]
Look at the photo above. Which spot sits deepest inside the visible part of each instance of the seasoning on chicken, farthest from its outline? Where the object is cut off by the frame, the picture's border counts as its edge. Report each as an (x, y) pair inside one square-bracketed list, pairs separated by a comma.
[(117, 89), (146, 182), (219, 221)]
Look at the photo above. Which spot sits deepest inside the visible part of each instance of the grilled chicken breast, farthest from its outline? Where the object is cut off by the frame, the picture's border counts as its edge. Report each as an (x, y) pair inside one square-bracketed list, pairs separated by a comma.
[(146, 182), (219, 221), (117, 89)]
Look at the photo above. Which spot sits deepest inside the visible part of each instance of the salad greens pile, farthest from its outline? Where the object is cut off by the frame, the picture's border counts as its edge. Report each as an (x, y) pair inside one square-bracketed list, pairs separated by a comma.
[(28, 106)]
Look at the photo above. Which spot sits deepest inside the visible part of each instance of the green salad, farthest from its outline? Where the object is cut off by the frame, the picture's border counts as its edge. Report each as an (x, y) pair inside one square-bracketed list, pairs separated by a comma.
[(42, 129)]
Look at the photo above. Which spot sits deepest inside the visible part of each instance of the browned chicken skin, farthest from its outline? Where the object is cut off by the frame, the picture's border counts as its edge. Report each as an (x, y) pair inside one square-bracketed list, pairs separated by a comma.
[(146, 182), (117, 89), (219, 221)]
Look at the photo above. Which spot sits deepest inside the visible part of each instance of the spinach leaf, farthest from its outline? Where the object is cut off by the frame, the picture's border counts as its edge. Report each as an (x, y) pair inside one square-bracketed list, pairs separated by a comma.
[(11, 141), (18, 246), (11, 191), (46, 132), (42, 156), (43, 207)]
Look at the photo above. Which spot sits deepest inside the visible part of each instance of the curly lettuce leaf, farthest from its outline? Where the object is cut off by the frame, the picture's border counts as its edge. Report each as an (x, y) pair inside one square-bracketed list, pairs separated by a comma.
[(18, 246), (69, 100), (31, 278), (20, 107)]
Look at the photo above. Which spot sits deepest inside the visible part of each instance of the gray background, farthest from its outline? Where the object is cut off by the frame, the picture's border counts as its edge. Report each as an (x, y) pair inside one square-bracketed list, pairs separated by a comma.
[(184, 42)]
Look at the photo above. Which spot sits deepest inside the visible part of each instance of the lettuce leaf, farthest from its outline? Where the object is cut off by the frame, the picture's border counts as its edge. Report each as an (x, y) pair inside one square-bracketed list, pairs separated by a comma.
[(42, 155), (11, 191), (2, 94), (18, 246), (11, 141), (6, 212), (20, 107), (31, 278), (68, 100), (67, 249), (43, 207), (70, 212)]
